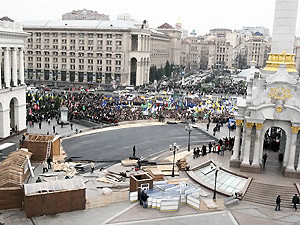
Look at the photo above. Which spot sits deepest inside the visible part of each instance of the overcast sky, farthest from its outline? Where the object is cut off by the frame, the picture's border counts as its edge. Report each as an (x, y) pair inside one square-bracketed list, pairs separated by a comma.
[(201, 15)]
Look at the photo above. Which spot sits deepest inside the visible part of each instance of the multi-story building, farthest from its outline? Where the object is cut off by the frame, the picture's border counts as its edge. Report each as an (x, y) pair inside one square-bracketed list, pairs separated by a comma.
[(12, 86), (254, 48), (220, 50), (88, 51), (84, 15), (191, 53)]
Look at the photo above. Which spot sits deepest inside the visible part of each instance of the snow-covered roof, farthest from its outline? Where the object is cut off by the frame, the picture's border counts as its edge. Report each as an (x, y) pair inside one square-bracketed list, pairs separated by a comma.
[(83, 24), (156, 31)]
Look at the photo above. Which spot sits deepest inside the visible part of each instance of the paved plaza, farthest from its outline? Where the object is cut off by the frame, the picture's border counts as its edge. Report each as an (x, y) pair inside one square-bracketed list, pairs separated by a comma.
[(133, 213)]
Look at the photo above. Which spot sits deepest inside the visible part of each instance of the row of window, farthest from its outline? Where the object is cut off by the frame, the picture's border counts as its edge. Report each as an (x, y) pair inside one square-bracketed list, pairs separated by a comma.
[(73, 41), (72, 67), (80, 54), (73, 48), (72, 60), (89, 35)]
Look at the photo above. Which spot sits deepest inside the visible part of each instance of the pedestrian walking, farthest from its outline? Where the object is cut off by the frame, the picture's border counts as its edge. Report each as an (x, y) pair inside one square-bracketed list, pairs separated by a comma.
[(278, 200), (71, 125), (49, 162), (209, 147), (45, 168), (49, 121), (40, 125), (133, 152), (295, 201), (265, 156), (92, 165), (207, 126), (144, 198), (53, 129)]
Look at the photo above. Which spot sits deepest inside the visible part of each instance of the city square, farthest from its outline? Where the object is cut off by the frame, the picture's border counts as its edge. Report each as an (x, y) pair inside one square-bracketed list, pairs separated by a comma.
[(119, 121)]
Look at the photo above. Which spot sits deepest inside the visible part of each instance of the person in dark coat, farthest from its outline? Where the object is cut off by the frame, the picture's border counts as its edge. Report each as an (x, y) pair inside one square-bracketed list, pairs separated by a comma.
[(49, 162), (144, 198), (209, 147), (265, 156), (295, 201), (278, 200)]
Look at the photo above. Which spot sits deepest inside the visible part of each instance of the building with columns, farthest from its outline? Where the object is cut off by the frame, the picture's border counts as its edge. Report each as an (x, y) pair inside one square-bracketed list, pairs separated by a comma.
[(12, 85), (82, 51), (272, 102)]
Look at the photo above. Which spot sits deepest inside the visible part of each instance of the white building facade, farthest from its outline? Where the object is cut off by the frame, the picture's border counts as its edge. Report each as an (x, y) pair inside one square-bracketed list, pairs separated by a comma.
[(12, 85)]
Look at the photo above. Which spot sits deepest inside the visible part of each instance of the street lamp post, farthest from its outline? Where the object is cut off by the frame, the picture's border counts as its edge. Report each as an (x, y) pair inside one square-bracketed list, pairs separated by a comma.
[(229, 129), (174, 148), (216, 176), (189, 129)]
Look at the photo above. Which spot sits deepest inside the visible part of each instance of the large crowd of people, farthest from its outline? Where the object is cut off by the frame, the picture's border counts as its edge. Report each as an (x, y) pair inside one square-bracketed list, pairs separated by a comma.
[(102, 108)]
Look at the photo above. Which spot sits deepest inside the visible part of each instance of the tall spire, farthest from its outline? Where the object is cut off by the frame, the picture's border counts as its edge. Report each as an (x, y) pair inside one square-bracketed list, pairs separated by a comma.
[(283, 39)]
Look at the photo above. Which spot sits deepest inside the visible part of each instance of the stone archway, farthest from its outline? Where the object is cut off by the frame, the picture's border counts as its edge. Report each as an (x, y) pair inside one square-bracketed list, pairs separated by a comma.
[(133, 71)]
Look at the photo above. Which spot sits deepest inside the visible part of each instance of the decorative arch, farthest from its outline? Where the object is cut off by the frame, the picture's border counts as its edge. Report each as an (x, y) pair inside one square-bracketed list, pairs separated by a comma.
[(133, 71)]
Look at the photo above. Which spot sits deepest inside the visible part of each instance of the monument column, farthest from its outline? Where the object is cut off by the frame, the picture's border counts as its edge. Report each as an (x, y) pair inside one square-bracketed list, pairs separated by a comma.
[(237, 141), (257, 145), (247, 138), (292, 152)]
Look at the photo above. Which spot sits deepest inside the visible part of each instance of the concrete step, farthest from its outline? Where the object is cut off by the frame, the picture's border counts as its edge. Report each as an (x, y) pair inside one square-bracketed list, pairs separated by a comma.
[(266, 194)]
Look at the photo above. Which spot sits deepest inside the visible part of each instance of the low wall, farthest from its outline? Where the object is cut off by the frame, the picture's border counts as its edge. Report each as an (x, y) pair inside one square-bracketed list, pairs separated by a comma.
[(11, 198)]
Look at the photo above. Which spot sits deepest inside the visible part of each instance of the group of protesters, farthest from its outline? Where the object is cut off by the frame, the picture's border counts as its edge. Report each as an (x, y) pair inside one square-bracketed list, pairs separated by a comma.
[(219, 147), (102, 108)]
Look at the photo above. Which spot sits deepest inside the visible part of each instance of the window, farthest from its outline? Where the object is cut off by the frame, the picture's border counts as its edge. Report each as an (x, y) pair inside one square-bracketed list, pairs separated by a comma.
[(81, 35), (109, 49), (47, 53), (47, 34), (38, 40), (55, 59), (108, 68), (30, 58), (47, 66), (39, 65), (108, 62), (64, 47), (118, 62), (119, 49), (90, 35), (64, 41), (108, 55), (90, 54), (81, 67), (72, 67), (81, 42), (99, 68), (72, 53), (55, 41), (90, 48), (38, 52), (30, 65), (72, 41), (90, 42), (55, 47), (29, 40), (38, 59), (99, 61), (100, 42), (38, 34), (99, 54), (63, 34), (90, 68), (100, 35), (118, 69), (72, 35), (72, 60), (29, 52), (108, 42), (80, 54), (64, 53), (63, 66), (47, 59), (64, 60), (55, 66), (47, 46), (118, 56), (90, 61), (99, 48), (81, 48), (119, 43), (38, 46), (81, 60), (29, 46), (72, 47), (47, 41), (118, 36), (108, 35)]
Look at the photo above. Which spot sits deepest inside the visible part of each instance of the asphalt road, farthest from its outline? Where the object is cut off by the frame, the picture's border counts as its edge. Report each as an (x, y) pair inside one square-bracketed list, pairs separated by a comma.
[(117, 145)]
